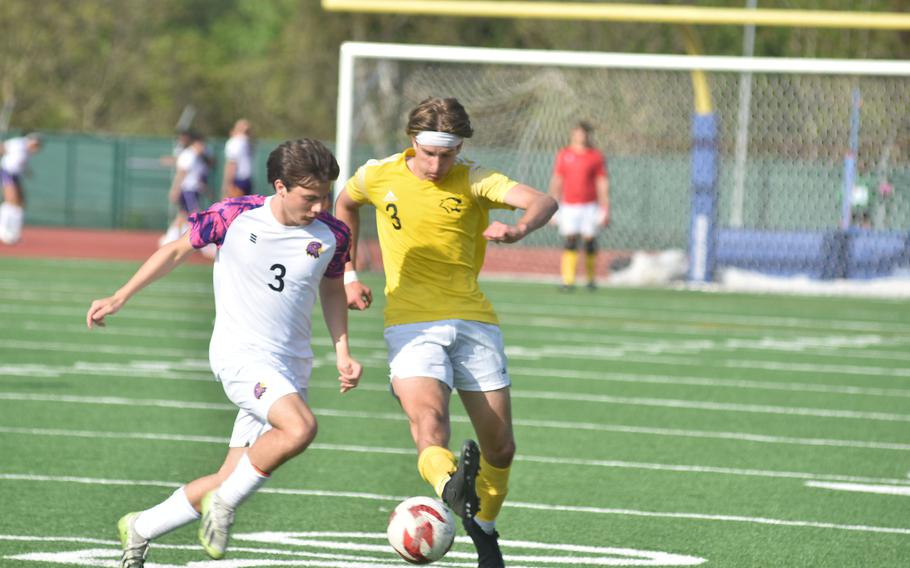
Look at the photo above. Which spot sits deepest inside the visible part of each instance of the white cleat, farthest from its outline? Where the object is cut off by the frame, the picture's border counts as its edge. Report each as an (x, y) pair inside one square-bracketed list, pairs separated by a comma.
[(215, 528), (135, 547)]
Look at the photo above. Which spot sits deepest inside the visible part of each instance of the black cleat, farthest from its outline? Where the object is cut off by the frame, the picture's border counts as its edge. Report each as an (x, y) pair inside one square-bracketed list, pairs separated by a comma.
[(487, 545), (459, 492)]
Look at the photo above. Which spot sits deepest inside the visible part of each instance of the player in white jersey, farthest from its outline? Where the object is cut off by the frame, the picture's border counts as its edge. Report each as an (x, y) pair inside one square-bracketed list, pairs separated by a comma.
[(238, 161), (276, 254), (190, 183), (13, 165)]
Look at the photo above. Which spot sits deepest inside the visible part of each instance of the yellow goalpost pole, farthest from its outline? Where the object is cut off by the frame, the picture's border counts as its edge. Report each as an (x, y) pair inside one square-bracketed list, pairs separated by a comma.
[(630, 13)]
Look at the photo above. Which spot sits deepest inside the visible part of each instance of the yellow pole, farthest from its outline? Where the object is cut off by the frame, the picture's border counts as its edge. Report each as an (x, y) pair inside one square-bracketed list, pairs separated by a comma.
[(700, 89), (696, 15)]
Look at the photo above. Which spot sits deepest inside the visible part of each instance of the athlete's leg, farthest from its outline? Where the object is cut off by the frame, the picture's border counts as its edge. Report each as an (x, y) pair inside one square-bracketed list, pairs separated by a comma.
[(12, 210), (590, 246), (569, 262), (491, 416), (180, 508), (425, 402), (293, 428), (195, 490)]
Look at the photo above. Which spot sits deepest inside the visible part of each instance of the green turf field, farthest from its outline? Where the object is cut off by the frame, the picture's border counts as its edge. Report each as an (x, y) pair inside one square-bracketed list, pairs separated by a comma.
[(654, 427)]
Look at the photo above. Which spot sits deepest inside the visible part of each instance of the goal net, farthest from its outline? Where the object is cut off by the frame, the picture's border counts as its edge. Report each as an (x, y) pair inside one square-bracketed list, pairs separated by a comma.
[(807, 162)]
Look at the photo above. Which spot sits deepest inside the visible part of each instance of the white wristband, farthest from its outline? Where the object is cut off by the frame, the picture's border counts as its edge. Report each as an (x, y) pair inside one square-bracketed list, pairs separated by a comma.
[(350, 276)]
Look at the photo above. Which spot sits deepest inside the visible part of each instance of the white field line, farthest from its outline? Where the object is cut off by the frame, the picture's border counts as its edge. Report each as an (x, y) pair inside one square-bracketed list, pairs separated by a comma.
[(165, 290), (640, 313), (832, 346), (546, 424), (358, 550), (77, 314), (705, 382), (540, 315), (815, 368), (167, 371), (348, 448), (620, 355), (142, 302), (512, 352), (624, 401), (586, 331), (713, 406), (826, 346), (862, 488), (161, 287), (507, 504), (119, 330)]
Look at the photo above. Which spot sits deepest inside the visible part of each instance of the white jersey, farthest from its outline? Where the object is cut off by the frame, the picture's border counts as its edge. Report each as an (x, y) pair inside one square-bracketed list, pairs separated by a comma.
[(266, 277), (196, 168), (15, 156), (239, 150)]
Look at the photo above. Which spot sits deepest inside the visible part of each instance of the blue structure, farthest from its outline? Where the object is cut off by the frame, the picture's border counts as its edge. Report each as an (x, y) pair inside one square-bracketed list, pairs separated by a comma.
[(703, 219)]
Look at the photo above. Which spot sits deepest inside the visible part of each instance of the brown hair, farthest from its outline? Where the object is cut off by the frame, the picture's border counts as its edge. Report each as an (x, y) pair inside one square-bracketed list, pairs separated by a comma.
[(440, 115), (301, 162), (586, 126)]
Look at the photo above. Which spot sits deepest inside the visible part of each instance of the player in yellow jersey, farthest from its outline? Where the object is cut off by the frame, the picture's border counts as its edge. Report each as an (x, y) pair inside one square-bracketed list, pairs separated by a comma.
[(432, 214)]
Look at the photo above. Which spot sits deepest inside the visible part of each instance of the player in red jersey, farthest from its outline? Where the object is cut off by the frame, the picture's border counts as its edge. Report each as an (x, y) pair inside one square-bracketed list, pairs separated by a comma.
[(581, 184)]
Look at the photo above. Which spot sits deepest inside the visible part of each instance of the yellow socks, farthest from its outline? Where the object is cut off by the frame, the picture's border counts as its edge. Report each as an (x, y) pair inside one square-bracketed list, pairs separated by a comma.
[(590, 266), (568, 267), (436, 465), (492, 487)]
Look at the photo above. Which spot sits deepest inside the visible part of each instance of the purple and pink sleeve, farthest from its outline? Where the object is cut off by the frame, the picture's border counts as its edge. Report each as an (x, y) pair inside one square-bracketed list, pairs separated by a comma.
[(342, 250), (210, 226)]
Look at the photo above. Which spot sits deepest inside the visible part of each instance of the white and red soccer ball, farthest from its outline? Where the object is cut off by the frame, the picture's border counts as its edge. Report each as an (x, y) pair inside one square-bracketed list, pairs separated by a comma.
[(421, 530)]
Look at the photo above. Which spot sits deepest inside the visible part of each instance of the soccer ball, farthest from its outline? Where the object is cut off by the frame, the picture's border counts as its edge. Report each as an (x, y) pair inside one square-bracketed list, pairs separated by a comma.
[(421, 530)]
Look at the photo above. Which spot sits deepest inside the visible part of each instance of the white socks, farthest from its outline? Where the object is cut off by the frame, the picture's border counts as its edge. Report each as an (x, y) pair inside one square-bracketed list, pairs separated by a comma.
[(487, 526), (176, 510), (11, 218), (172, 513), (243, 482)]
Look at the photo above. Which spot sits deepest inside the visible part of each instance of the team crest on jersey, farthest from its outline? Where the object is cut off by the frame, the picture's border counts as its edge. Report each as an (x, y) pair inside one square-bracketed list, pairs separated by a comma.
[(259, 390), (314, 248), (451, 204)]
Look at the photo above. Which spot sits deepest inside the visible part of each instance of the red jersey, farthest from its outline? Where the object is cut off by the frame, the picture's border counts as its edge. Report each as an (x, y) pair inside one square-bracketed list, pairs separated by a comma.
[(579, 172)]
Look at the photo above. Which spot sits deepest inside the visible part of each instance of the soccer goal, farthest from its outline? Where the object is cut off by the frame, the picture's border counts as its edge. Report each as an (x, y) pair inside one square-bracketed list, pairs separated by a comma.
[(796, 166)]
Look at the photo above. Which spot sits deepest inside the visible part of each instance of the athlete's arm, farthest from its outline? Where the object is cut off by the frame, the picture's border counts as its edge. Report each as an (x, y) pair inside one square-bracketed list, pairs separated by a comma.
[(538, 208), (556, 186), (174, 194), (359, 296), (159, 264), (230, 170), (334, 310), (602, 184)]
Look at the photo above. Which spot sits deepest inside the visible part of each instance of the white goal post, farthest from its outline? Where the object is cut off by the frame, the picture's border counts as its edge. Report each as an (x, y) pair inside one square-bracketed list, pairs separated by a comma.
[(671, 169)]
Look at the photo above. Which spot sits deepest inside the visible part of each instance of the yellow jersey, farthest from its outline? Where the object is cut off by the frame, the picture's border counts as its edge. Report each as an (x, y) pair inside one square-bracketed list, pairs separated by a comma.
[(431, 236)]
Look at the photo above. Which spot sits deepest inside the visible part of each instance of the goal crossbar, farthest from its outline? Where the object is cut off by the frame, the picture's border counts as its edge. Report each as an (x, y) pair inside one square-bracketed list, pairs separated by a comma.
[(350, 51)]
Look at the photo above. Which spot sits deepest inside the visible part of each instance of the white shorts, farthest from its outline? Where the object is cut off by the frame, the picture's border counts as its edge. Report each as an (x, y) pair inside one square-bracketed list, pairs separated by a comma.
[(579, 219), (465, 355), (255, 384)]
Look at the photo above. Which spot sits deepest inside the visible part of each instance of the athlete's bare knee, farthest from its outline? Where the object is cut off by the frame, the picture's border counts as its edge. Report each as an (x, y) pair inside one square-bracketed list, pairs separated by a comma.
[(300, 433), (500, 454), (431, 427)]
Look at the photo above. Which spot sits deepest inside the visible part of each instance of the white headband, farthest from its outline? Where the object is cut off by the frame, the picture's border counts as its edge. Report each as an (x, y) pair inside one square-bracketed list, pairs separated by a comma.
[(433, 138)]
